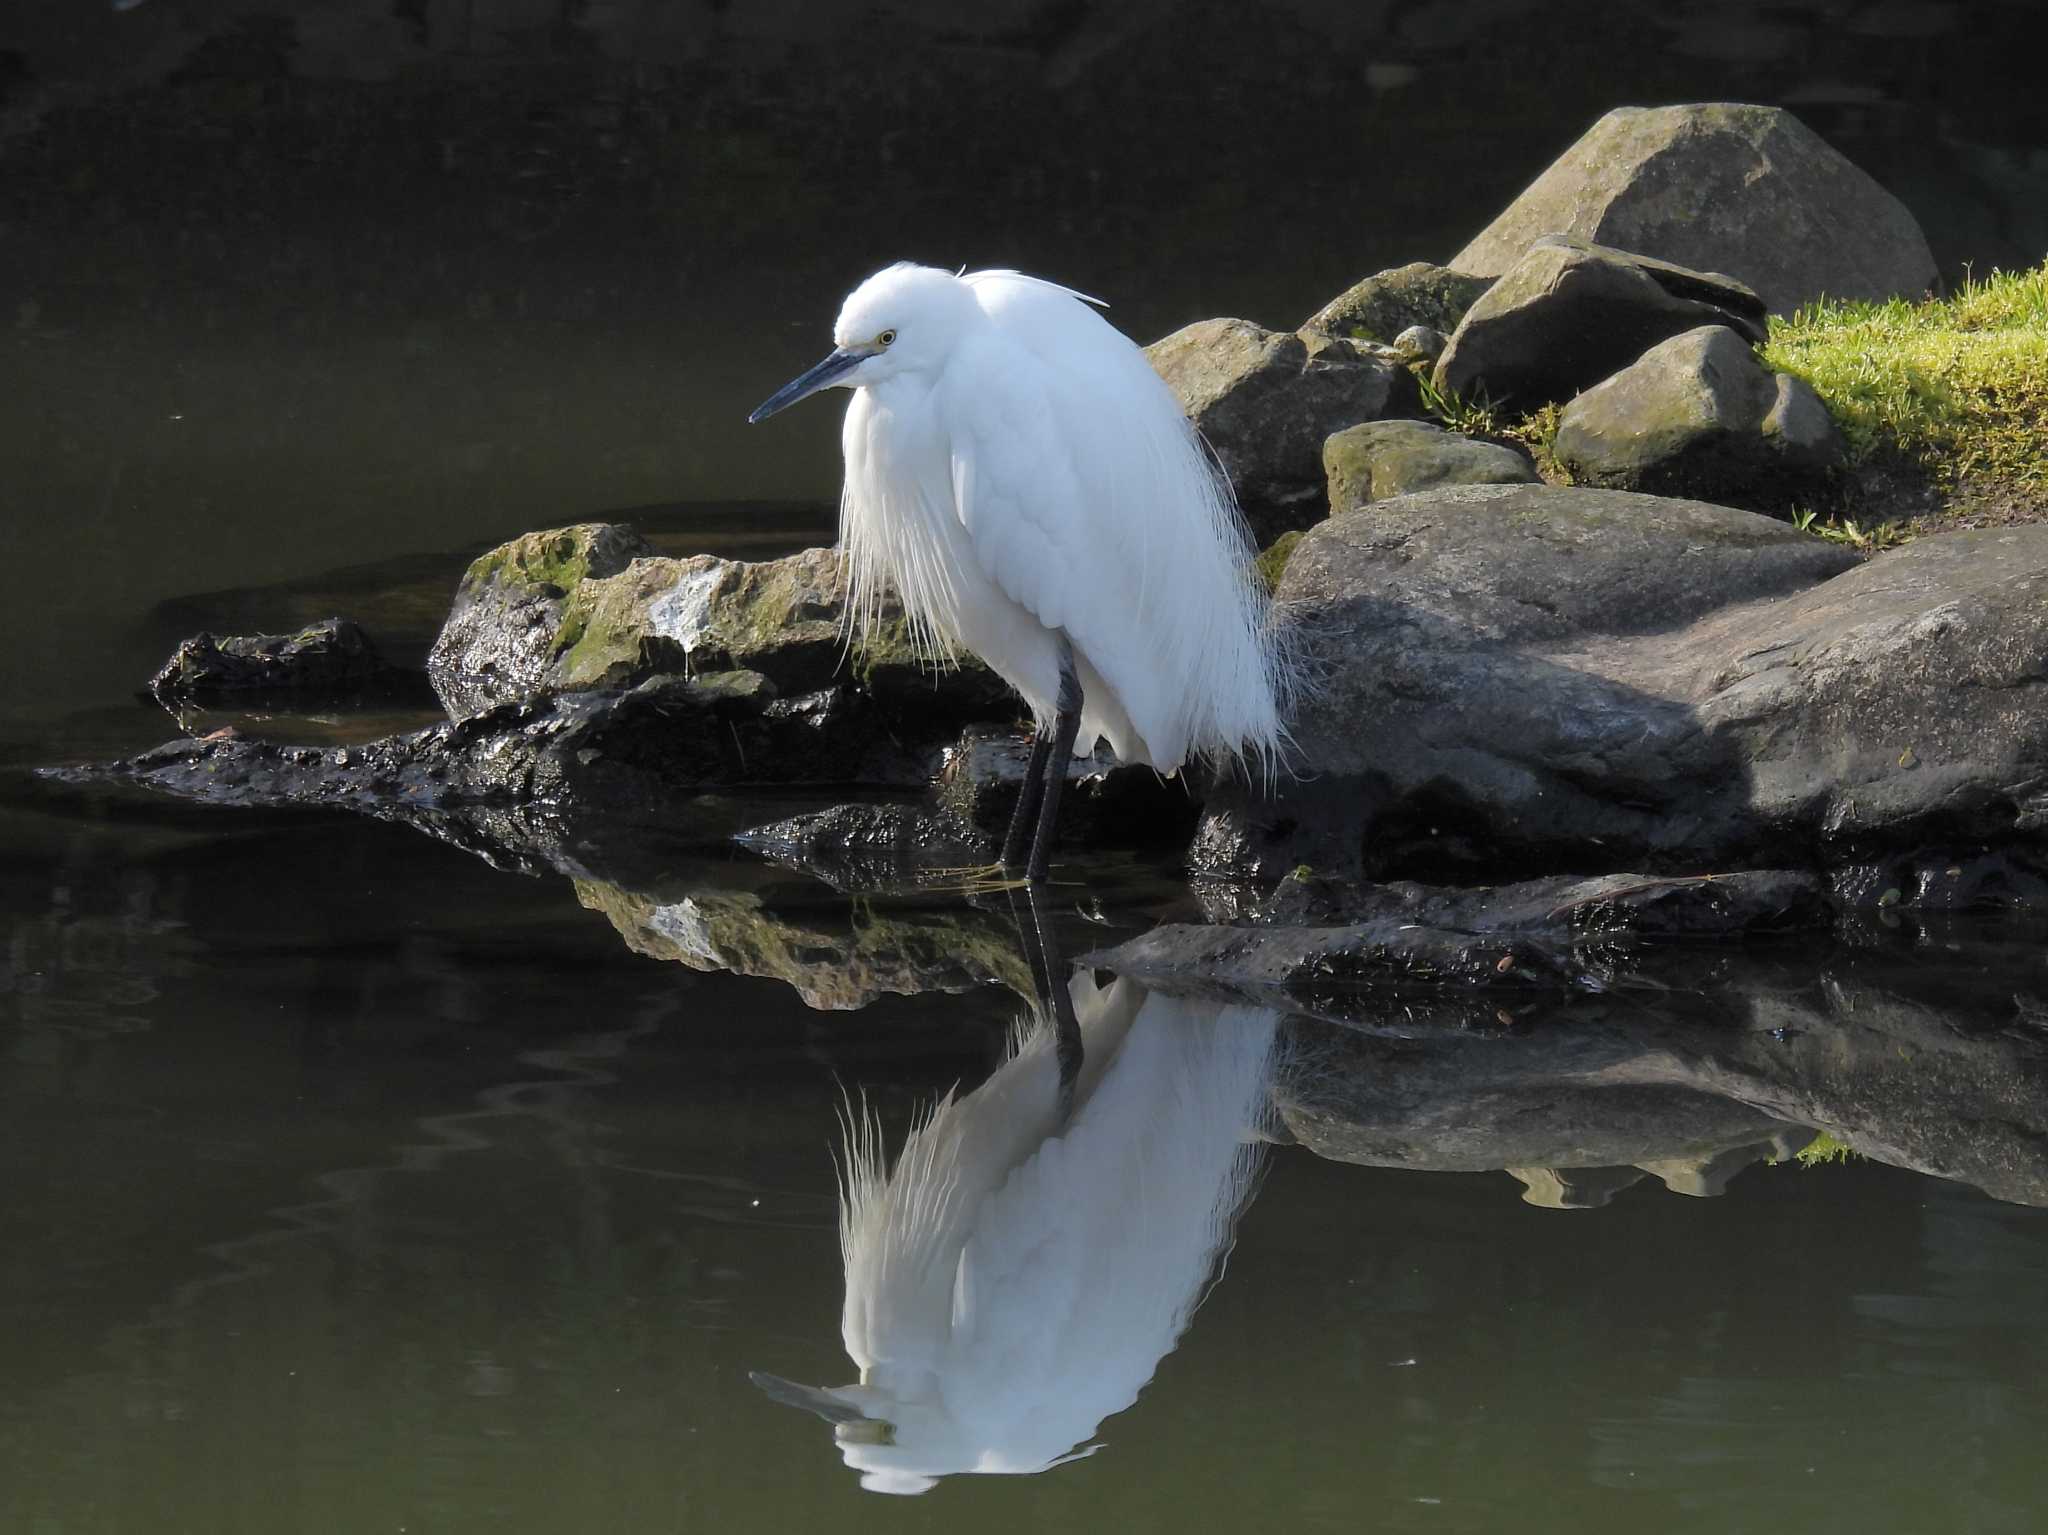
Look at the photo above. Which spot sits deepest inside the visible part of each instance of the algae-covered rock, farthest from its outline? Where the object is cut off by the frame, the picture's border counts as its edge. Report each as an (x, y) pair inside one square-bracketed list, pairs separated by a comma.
[(836, 960), (1725, 187), (1699, 415), (1378, 459), (1265, 400), (332, 656), (502, 632), (784, 620), (1384, 305), (1568, 314)]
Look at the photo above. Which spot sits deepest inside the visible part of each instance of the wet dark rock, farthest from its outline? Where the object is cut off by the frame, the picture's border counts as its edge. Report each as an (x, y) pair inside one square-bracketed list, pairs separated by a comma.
[(1568, 314), (1562, 932), (869, 845), (1725, 187), (604, 753), (1379, 459), (1518, 679), (1265, 400), (1699, 415), (1385, 305), (1103, 804), (334, 656), (505, 628)]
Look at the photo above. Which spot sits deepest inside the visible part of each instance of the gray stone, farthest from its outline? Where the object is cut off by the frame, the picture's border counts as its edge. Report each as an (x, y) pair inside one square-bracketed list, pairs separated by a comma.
[(1265, 400), (332, 656), (1532, 678), (1699, 415), (1726, 187), (1560, 933), (1378, 459), (1421, 343), (1567, 314), (1387, 303)]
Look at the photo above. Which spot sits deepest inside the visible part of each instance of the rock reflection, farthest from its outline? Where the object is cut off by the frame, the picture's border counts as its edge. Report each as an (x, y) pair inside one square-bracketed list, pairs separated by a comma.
[(1016, 1275)]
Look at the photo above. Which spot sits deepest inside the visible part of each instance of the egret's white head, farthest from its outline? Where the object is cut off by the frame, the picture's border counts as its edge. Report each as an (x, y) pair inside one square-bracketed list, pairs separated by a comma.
[(904, 319)]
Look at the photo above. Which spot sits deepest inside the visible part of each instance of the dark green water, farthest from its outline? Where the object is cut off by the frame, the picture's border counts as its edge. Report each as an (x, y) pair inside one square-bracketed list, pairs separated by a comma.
[(355, 1185), (348, 1183)]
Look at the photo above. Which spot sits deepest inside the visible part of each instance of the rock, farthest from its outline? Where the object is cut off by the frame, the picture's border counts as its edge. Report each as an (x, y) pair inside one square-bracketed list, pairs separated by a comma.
[(638, 751), (512, 637), (1567, 314), (1103, 804), (1513, 680), (1730, 188), (329, 657), (1559, 933), (869, 846), (1402, 298), (1522, 679), (1699, 415), (501, 635), (1420, 344), (1378, 459), (832, 960), (1265, 400)]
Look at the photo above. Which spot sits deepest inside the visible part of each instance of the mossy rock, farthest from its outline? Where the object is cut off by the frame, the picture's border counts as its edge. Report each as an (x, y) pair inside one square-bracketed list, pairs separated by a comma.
[(1381, 459), (1387, 303), (502, 633)]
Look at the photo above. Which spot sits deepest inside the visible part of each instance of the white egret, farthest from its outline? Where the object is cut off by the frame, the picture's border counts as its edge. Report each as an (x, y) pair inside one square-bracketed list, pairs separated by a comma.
[(1034, 493), (1041, 1243)]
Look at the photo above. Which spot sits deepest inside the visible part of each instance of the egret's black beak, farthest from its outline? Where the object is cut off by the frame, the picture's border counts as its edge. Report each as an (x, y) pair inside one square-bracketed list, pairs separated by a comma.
[(809, 1398), (809, 382)]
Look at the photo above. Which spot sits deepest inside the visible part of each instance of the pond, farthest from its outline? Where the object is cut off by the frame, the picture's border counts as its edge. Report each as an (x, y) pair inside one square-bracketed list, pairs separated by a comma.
[(356, 1181)]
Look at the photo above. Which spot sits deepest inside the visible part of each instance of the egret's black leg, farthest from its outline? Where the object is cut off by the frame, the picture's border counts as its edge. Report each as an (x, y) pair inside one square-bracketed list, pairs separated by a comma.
[(1065, 728), (1025, 816), (1056, 1001)]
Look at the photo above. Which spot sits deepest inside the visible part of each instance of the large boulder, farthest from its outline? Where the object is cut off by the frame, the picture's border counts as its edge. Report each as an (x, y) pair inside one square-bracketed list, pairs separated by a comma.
[(1568, 314), (1265, 400), (1377, 460), (1700, 415), (619, 615), (1532, 679), (1726, 187), (1388, 303)]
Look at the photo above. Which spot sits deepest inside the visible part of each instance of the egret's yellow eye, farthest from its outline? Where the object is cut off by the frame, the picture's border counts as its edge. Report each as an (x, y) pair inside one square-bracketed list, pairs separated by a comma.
[(886, 338)]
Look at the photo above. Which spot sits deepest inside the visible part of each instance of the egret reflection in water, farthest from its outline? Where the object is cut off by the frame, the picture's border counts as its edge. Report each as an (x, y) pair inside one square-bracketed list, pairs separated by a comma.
[(1015, 1277)]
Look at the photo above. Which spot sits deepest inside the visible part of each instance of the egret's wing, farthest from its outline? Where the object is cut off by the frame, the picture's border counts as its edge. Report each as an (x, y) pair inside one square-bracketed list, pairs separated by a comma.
[(1017, 482)]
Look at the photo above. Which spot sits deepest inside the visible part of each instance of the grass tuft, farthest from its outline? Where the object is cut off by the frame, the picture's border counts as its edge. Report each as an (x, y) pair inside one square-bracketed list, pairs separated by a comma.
[(1955, 389)]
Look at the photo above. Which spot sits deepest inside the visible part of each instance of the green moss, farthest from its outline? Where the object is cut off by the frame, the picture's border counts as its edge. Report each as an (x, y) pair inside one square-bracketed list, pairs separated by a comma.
[(1952, 391), (1273, 562), (558, 558), (1824, 1149)]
